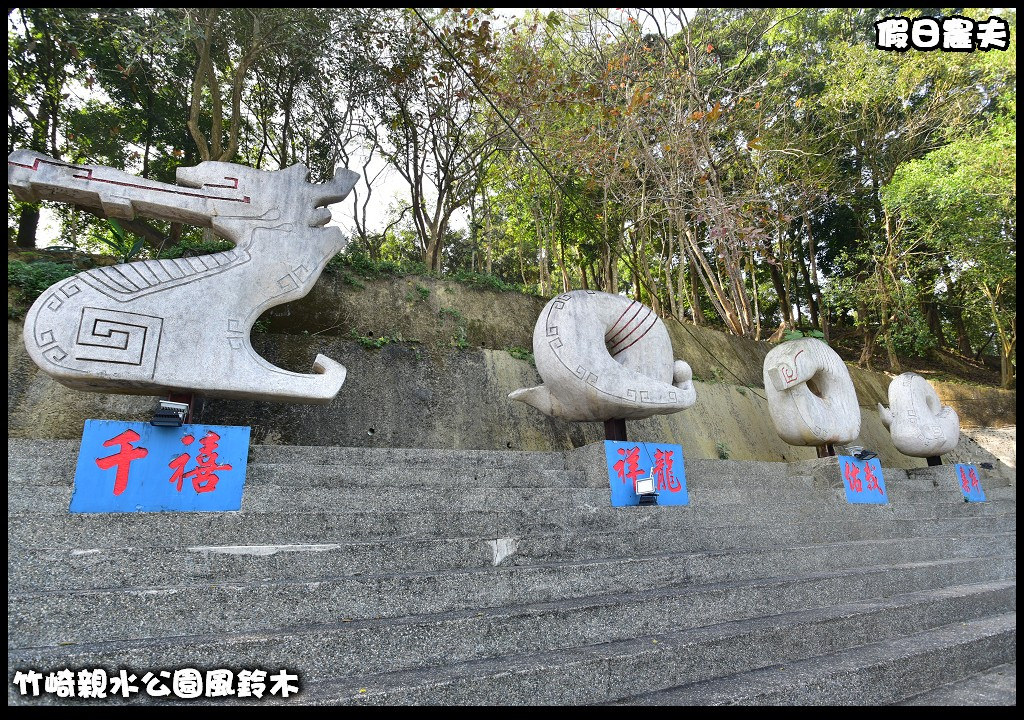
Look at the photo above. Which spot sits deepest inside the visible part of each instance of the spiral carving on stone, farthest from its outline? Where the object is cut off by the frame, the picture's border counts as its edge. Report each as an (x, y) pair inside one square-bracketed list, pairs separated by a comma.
[(605, 357), (811, 398)]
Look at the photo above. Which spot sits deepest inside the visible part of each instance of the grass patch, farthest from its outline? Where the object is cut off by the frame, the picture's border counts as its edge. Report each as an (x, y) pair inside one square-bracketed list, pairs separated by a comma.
[(521, 354), (723, 450), (373, 343)]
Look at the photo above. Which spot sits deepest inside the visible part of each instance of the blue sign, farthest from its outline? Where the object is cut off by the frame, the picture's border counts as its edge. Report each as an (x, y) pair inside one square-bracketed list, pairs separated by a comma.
[(136, 467), (863, 480), (970, 486), (630, 462)]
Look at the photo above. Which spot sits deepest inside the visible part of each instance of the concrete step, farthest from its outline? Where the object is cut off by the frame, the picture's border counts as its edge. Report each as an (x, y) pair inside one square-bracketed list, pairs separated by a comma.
[(60, 471), (995, 686), (33, 569), (55, 454), (438, 576), (361, 648), (84, 531), (53, 617), (872, 674), (90, 531), (267, 497), (626, 669)]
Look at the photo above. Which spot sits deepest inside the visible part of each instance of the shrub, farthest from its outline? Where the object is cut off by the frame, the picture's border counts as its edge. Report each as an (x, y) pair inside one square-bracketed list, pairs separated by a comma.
[(32, 279)]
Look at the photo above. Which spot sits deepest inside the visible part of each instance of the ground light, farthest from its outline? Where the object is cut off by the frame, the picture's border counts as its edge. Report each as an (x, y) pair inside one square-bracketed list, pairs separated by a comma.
[(860, 453), (645, 489), (169, 414)]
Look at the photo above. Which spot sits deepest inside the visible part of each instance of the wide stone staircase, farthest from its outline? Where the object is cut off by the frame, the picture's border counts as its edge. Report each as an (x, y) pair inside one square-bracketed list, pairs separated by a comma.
[(445, 577)]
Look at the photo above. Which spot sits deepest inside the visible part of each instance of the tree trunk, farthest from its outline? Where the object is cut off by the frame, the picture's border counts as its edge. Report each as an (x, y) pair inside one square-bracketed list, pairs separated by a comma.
[(884, 329), (868, 350), (956, 316), (811, 304), (1006, 369), (698, 315), (27, 225), (814, 290), (778, 281), (963, 340)]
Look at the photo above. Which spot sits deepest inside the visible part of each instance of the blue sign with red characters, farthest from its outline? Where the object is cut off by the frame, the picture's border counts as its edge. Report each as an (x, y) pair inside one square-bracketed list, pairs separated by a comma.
[(970, 486), (136, 467), (863, 480), (630, 462)]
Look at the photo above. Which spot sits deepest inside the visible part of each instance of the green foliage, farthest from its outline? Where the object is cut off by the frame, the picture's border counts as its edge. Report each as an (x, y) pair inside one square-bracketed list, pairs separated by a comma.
[(483, 281), (460, 339), (452, 313), (521, 354), (124, 246), (419, 293), (357, 262), (373, 343), (723, 450), (190, 246), (32, 279), (911, 336), (797, 334)]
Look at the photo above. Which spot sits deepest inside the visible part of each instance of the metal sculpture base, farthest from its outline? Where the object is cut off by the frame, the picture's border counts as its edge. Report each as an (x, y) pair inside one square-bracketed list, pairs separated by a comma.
[(934, 460), (647, 500), (827, 450)]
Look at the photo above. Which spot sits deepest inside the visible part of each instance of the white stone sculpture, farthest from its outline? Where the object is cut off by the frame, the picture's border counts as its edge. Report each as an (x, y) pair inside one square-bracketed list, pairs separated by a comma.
[(920, 425), (604, 357), (811, 398), (182, 325)]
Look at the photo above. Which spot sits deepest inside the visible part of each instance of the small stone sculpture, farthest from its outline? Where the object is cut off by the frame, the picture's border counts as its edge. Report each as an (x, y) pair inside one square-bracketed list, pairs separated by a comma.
[(604, 357), (920, 425), (811, 398), (182, 325)]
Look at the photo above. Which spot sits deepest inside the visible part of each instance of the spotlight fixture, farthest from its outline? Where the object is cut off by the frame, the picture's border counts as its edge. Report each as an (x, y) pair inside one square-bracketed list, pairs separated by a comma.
[(169, 414), (860, 453), (645, 489)]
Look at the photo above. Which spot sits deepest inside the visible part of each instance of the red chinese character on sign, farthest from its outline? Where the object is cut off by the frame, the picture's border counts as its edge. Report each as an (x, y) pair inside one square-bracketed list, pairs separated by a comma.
[(872, 481), (974, 478), (123, 458), (178, 464), (663, 471), (964, 482), (203, 475), (852, 475), (630, 467)]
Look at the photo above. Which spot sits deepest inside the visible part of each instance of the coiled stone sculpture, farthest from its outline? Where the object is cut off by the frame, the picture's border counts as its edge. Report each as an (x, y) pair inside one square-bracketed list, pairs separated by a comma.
[(920, 425), (811, 398), (605, 357)]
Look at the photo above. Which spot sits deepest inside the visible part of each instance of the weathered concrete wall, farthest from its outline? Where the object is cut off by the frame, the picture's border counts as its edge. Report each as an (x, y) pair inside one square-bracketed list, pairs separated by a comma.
[(400, 397), (432, 394)]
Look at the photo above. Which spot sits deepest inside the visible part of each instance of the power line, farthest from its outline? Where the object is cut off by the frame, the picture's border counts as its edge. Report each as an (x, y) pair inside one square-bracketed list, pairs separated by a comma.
[(544, 167), (494, 107)]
